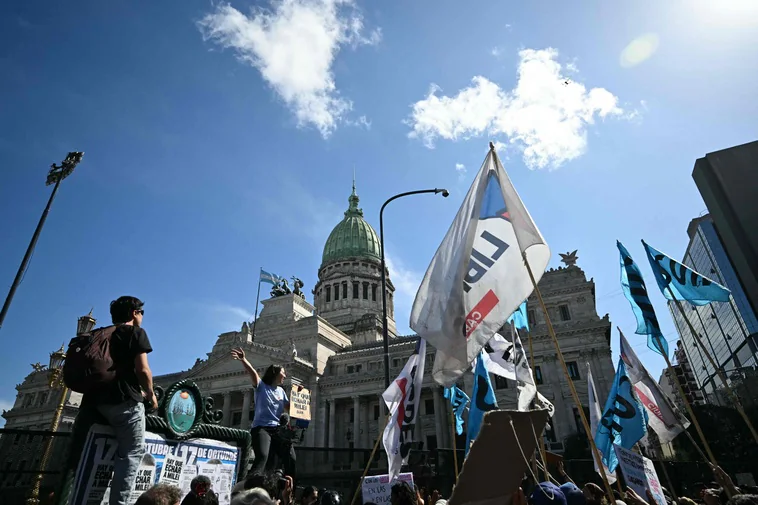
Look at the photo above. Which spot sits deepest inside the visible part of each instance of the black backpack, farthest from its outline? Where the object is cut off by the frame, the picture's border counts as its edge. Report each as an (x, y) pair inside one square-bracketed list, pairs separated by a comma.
[(89, 366)]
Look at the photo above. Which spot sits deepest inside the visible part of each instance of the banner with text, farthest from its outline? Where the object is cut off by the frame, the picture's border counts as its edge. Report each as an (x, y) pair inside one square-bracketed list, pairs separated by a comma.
[(164, 461), (640, 474), (300, 403), (378, 488)]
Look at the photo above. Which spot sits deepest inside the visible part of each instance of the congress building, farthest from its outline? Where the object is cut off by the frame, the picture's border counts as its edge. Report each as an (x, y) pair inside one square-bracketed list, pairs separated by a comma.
[(332, 345)]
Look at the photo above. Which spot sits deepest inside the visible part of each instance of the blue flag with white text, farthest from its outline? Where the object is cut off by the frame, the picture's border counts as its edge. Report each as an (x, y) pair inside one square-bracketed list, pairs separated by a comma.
[(483, 400), (270, 278), (682, 281), (458, 401), (520, 318), (624, 420), (635, 291)]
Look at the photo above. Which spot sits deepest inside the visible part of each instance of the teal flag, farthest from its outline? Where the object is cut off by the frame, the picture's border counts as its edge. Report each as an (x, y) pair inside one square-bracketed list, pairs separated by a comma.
[(483, 400), (633, 286), (520, 318), (624, 420), (682, 281), (458, 401)]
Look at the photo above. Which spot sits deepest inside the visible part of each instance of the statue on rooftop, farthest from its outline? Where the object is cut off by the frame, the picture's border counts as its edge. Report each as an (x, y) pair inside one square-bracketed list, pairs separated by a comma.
[(569, 258)]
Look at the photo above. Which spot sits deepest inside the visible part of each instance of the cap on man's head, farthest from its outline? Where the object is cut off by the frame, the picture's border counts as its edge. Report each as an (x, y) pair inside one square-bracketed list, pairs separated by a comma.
[(547, 493), (573, 494)]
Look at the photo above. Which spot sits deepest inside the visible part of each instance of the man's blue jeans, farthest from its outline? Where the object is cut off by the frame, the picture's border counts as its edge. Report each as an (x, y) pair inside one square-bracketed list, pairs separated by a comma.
[(128, 422)]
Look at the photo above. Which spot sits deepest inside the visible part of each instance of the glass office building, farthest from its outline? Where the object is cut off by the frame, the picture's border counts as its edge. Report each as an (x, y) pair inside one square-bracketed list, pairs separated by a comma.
[(727, 330)]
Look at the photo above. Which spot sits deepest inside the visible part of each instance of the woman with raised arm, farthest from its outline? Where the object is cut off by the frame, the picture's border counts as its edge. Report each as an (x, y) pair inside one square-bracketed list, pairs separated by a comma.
[(270, 403)]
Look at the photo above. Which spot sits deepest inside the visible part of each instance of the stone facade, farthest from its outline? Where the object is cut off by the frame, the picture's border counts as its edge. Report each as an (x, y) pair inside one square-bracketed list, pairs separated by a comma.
[(334, 348)]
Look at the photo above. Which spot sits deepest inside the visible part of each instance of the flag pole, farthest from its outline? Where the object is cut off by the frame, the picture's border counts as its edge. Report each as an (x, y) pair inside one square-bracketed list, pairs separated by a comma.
[(551, 331), (687, 405), (455, 446), (541, 441), (257, 300), (370, 460), (718, 370)]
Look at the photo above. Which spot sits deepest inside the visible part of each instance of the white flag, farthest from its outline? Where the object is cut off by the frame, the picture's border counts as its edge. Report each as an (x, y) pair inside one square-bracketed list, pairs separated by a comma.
[(402, 398), (477, 277), (595, 415), (663, 417), (508, 360)]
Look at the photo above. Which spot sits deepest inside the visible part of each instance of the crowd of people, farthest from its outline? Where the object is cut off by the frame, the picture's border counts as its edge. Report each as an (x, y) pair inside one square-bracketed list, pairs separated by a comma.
[(120, 399)]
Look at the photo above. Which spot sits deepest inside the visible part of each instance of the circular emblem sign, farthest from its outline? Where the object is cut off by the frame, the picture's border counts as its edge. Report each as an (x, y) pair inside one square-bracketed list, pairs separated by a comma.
[(181, 411)]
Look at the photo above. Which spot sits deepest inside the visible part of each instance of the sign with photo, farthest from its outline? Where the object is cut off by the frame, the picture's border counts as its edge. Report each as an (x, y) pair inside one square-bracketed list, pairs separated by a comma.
[(164, 461)]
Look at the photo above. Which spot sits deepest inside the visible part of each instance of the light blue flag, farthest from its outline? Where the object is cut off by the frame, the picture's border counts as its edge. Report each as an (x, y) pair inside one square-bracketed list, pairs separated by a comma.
[(270, 278), (520, 318), (635, 291), (483, 400), (685, 283), (624, 420), (458, 401)]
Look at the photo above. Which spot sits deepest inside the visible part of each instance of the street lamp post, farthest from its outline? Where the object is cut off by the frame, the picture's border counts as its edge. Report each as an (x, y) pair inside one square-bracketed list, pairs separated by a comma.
[(55, 378), (54, 176), (385, 335)]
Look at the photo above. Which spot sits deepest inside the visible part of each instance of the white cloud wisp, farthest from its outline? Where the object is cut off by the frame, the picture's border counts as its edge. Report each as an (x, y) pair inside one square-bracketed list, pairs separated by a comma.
[(293, 45), (546, 115), (406, 284)]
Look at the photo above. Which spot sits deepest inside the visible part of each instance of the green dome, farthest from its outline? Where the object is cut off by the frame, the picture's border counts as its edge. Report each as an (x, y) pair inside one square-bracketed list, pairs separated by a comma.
[(353, 237)]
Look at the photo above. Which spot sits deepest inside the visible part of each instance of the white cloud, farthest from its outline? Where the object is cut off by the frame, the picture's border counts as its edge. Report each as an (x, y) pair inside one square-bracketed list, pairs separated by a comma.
[(495, 51), (293, 45), (460, 168), (406, 283), (545, 115)]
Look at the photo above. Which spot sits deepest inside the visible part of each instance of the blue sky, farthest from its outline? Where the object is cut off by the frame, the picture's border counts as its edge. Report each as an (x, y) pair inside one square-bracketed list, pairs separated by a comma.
[(221, 139)]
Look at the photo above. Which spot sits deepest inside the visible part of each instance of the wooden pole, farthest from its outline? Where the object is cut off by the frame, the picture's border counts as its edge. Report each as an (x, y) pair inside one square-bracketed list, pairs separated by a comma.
[(540, 441), (718, 370), (368, 463), (551, 331), (455, 446)]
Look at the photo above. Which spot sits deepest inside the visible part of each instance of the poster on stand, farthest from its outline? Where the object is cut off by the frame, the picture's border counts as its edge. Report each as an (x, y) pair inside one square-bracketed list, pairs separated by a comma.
[(165, 461)]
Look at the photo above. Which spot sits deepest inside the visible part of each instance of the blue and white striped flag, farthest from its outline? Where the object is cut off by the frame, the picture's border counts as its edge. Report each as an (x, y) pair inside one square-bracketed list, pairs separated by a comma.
[(270, 278), (682, 281), (635, 291)]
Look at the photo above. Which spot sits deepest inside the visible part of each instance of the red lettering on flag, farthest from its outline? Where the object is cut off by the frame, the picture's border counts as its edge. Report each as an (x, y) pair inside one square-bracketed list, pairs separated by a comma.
[(401, 383), (480, 311), (651, 405)]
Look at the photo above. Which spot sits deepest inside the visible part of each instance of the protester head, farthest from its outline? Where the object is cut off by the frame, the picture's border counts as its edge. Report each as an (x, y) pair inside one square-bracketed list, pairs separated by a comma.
[(329, 498), (310, 495), (573, 494), (547, 493), (274, 376), (255, 496), (160, 494), (267, 481), (403, 494), (593, 494), (127, 309), (200, 492)]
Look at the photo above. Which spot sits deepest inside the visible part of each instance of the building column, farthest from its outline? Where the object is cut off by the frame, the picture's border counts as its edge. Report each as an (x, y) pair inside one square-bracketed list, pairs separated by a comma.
[(356, 421), (321, 427), (310, 433), (438, 417), (332, 423), (245, 422), (417, 431), (227, 408), (365, 416)]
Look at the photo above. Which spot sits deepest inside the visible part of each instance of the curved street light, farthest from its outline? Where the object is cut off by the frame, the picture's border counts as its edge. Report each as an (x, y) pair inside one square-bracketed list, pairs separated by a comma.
[(445, 193), (55, 176)]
